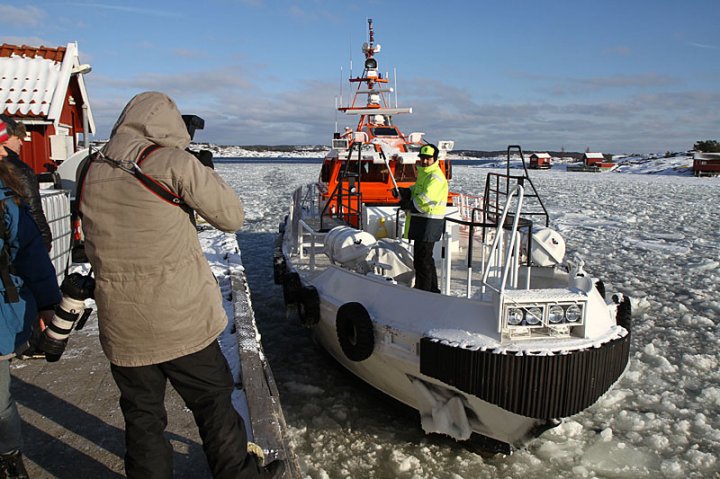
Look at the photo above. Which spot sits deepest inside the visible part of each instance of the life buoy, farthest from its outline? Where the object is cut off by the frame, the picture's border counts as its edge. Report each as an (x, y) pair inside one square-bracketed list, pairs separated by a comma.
[(309, 306), (291, 288), (355, 331)]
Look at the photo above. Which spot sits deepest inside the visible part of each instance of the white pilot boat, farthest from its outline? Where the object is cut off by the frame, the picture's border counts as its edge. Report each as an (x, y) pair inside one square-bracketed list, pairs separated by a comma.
[(519, 337)]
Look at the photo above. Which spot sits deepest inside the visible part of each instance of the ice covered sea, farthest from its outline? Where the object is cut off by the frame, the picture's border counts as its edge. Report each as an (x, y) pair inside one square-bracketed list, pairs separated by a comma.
[(655, 238)]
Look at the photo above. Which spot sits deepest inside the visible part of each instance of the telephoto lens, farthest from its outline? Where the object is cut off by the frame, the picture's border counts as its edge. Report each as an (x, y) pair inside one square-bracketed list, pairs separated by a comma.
[(76, 288)]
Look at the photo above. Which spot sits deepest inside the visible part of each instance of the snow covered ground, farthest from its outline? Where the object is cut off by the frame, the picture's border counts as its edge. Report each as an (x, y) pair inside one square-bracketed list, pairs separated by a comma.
[(654, 237)]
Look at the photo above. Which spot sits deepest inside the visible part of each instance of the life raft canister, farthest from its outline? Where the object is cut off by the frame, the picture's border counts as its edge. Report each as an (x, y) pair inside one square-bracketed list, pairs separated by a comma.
[(309, 306), (355, 331)]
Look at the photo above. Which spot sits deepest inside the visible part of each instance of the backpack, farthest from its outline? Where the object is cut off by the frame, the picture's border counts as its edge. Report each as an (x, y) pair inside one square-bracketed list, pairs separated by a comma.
[(10, 282), (13, 305)]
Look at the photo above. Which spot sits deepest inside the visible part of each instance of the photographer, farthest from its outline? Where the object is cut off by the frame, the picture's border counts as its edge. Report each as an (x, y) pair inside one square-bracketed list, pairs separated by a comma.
[(28, 285), (159, 307)]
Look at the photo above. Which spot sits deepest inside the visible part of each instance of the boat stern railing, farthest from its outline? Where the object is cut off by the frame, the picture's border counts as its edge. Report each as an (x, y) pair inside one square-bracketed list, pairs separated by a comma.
[(500, 227)]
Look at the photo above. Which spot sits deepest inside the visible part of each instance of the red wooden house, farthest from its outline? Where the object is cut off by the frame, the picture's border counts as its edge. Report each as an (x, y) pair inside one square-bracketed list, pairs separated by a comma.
[(540, 160), (706, 164), (593, 159), (45, 89)]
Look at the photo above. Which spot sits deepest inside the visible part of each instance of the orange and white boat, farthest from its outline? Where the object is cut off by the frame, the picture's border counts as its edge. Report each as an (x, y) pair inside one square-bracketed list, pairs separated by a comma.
[(519, 337), (377, 157)]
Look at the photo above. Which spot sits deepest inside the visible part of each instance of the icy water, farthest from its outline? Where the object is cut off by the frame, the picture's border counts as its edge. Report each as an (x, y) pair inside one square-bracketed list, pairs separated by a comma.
[(654, 238)]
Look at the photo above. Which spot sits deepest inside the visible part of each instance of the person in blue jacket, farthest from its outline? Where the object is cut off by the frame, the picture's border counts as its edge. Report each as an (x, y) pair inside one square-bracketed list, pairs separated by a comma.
[(29, 290)]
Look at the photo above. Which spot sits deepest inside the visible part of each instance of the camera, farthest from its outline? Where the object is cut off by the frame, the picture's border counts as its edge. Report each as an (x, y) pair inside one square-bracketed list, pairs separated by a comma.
[(70, 313), (192, 123)]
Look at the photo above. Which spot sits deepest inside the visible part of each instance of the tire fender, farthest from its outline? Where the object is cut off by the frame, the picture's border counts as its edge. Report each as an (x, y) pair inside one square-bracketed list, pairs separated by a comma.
[(291, 288), (355, 331), (309, 306)]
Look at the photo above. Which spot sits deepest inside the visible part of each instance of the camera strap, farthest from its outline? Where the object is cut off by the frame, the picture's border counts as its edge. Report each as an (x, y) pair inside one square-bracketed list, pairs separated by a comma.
[(151, 184), (133, 167)]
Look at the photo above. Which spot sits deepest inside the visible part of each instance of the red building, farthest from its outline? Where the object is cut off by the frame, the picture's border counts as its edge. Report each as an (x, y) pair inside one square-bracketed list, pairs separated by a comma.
[(593, 159), (540, 160), (45, 89), (706, 164), (597, 160)]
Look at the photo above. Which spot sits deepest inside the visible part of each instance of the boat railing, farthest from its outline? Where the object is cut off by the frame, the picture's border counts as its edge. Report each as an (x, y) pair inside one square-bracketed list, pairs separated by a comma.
[(499, 185), (508, 262), (501, 227), (500, 240), (305, 214), (309, 241), (345, 202)]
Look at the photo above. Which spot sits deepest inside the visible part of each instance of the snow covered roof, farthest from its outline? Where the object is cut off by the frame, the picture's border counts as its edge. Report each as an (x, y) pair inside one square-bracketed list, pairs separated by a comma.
[(35, 80), (541, 155), (594, 155)]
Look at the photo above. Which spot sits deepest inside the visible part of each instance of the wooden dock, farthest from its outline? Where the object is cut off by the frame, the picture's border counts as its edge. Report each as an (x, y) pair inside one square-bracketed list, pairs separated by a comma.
[(268, 422)]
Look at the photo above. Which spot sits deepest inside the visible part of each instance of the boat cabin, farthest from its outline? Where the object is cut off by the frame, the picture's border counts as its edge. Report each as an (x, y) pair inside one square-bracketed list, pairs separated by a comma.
[(44, 88), (367, 164), (540, 161)]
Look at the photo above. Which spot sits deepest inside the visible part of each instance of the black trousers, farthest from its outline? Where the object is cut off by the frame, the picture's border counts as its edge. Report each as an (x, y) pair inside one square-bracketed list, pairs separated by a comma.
[(204, 382), (425, 273)]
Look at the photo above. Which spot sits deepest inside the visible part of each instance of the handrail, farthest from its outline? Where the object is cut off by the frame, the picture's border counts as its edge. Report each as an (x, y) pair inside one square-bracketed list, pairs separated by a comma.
[(519, 190), (534, 193), (471, 224), (340, 192)]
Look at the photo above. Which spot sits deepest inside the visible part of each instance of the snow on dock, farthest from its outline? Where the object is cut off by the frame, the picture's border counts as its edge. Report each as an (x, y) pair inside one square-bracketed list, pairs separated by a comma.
[(258, 401), (71, 419)]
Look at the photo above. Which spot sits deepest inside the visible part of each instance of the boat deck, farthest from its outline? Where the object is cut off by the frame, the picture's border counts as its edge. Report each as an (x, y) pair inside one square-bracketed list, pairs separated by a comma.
[(313, 257)]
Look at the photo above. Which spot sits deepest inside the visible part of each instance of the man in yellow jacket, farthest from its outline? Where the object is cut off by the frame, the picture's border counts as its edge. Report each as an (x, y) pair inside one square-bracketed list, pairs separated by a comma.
[(425, 205)]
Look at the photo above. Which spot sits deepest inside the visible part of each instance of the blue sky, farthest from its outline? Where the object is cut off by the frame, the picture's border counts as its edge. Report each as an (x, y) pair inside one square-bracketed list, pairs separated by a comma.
[(613, 76)]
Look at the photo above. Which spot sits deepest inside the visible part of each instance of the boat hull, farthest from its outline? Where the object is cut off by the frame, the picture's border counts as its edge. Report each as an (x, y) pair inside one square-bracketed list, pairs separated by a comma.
[(458, 389)]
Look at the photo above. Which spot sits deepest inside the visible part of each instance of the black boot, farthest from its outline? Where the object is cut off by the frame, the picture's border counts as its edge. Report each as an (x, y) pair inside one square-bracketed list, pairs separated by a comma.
[(275, 469), (11, 466)]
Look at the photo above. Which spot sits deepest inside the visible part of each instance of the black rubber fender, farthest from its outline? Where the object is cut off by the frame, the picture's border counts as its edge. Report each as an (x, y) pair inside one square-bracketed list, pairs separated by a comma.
[(309, 306), (355, 331), (279, 268), (624, 313), (291, 288)]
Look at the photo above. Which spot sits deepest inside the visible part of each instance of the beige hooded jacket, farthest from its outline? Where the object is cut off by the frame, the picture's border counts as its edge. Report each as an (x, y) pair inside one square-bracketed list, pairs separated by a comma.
[(156, 296)]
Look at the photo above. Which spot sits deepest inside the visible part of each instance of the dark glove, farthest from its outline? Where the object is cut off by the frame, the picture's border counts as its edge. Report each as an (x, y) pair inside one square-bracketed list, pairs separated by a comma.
[(405, 198)]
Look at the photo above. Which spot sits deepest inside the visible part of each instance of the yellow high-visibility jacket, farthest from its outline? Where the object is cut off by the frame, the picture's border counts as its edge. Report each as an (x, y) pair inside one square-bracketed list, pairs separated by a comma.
[(429, 200)]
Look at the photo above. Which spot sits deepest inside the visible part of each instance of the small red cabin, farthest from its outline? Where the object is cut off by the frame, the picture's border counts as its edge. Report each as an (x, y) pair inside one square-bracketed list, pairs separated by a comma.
[(706, 164), (596, 160), (44, 88), (593, 159), (540, 161)]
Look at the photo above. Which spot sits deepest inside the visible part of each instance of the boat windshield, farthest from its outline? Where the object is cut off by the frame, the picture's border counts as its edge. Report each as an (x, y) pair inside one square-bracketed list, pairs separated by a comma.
[(369, 171), (384, 131), (406, 172)]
